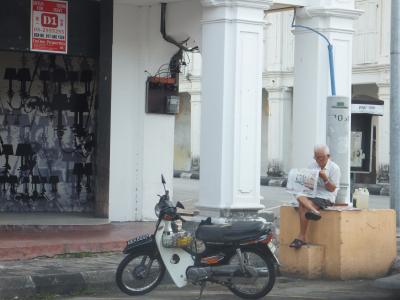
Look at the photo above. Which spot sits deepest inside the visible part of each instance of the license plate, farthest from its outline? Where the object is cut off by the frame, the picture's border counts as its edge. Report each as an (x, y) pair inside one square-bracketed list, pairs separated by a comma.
[(138, 239)]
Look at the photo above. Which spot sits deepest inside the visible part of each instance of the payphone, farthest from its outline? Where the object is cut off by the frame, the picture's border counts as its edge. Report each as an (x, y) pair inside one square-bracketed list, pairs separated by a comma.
[(363, 108), (360, 156)]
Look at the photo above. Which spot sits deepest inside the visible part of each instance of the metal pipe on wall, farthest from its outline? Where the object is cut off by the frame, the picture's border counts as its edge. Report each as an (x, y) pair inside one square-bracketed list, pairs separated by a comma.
[(395, 110)]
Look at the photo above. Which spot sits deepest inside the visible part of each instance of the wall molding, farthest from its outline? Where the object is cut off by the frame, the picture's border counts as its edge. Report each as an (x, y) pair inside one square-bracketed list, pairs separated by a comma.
[(261, 4), (312, 12)]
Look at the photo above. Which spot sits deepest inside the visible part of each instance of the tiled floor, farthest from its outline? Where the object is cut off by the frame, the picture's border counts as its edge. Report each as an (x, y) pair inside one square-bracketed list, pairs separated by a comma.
[(24, 236)]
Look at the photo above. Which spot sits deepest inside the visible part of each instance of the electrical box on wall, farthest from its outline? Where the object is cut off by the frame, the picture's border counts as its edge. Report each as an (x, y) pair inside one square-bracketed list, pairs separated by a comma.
[(162, 95), (172, 105)]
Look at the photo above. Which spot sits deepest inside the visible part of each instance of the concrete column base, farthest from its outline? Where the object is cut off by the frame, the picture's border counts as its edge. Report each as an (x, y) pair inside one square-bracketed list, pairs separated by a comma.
[(307, 262)]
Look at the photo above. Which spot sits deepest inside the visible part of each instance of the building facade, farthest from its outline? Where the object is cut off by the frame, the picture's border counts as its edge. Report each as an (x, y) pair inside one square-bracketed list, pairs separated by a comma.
[(97, 141), (370, 79)]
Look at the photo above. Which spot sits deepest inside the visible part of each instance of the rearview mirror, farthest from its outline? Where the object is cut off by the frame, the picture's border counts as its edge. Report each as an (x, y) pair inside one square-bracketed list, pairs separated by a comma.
[(180, 205)]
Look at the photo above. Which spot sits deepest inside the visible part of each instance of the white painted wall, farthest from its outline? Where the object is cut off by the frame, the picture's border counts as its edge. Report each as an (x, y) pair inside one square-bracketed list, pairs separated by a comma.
[(142, 144)]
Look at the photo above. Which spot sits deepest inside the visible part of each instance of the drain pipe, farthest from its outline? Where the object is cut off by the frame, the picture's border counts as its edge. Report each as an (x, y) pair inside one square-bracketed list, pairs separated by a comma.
[(170, 39), (330, 53)]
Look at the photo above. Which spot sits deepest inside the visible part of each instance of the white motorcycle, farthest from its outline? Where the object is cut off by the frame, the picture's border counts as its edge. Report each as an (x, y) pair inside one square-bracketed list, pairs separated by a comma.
[(239, 256)]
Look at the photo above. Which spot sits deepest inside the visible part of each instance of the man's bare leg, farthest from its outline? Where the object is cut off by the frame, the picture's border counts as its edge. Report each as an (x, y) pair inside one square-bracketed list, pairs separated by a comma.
[(305, 205), (308, 204), (303, 222)]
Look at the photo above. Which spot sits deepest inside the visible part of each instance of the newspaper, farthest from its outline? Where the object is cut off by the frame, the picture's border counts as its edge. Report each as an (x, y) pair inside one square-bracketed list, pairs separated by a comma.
[(303, 182)]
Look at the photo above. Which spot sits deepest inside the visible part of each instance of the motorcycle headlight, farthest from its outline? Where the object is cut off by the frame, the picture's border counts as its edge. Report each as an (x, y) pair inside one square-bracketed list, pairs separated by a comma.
[(157, 210)]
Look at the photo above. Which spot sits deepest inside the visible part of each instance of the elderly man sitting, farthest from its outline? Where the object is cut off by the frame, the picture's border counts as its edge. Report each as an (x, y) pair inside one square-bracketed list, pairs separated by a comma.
[(327, 187)]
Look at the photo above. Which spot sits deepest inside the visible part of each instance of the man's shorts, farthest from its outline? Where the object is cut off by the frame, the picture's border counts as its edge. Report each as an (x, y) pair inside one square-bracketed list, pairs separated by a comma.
[(322, 203)]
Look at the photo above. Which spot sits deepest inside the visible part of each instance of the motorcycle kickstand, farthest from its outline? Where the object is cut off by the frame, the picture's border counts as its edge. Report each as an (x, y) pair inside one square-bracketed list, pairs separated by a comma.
[(202, 287)]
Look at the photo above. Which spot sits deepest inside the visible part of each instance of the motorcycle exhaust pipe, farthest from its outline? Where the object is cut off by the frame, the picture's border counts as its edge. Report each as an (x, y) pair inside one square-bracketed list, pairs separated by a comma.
[(237, 271), (198, 274), (225, 270)]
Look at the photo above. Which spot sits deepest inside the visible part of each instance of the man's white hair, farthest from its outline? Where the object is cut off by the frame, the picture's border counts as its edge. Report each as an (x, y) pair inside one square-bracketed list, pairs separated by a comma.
[(321, 147)]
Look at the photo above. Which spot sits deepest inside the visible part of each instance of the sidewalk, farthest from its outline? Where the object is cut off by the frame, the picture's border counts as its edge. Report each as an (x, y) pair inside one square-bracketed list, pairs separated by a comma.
[(34, 235)]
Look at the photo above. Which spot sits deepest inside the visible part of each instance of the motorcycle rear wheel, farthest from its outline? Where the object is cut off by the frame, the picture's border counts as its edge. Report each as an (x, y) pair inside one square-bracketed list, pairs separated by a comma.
[(139, 273), (253, 287)]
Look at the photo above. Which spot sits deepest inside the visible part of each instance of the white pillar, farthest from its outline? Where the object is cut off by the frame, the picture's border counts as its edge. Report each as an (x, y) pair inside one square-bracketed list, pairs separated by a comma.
[(232, 54), (312, 81), (279, 126), (383, 130), (195, 130)]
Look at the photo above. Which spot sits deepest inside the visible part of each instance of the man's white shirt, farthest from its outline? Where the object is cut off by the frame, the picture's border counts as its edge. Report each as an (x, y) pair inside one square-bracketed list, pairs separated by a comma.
[(332, 170)]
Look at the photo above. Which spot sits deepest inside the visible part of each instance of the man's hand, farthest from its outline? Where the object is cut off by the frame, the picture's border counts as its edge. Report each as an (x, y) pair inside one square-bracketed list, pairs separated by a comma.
[(328, 185), (323, 175)]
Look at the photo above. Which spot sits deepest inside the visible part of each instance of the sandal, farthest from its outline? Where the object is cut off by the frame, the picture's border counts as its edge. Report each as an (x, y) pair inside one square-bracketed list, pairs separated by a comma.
[(310, 215), (297, 244)]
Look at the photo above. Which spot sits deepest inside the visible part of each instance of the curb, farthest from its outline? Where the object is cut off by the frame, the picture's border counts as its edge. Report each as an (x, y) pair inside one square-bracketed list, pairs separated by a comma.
[(30, 287), (18, 286), (390, 283), (186, 175)]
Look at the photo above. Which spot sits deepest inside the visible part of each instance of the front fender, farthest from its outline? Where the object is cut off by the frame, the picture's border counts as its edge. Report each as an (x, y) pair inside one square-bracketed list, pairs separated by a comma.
[(147, 243)]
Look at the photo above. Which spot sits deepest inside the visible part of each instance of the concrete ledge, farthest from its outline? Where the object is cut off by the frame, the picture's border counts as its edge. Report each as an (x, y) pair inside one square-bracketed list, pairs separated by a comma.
[(358, 243)]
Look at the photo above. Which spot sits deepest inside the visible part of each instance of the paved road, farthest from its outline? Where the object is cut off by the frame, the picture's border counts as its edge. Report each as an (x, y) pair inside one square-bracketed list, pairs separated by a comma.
[(187, 191), (284, 289)]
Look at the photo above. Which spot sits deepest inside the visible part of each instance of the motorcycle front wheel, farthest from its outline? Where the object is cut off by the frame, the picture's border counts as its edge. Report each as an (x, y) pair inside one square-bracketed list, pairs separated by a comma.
[(253, 286), (139, 273)]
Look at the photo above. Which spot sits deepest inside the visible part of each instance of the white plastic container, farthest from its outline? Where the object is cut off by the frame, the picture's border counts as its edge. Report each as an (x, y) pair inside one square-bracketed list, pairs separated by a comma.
[(361, 198)]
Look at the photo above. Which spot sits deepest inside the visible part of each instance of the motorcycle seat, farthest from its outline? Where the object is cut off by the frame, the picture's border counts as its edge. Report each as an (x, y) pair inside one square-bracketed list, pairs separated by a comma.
[(234, 232)]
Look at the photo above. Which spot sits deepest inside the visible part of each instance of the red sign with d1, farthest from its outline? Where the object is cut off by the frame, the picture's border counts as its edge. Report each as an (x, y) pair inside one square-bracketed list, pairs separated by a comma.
[(49, 29)]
